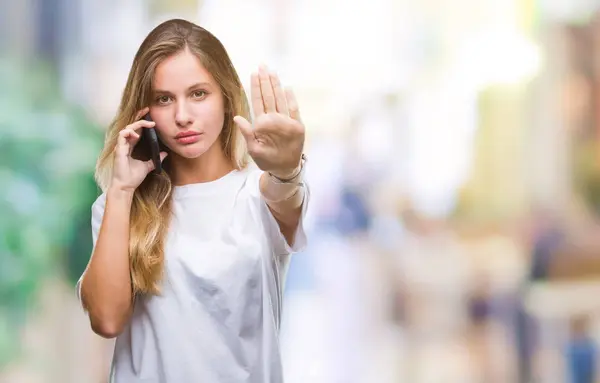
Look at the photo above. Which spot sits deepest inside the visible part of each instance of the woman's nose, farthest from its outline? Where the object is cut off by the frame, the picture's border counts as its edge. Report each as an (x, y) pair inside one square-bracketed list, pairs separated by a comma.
[(182, 116)]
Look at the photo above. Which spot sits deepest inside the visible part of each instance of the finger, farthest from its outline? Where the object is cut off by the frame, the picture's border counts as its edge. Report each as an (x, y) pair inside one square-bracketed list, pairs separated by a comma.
[(122, 147), (138, 125), (128, 134), (246, 129), (292, 104), (141, 113), (127, 140), (150, 164), (133, 136), (266, 90), (280, 101), (258, 107), (163, 155)]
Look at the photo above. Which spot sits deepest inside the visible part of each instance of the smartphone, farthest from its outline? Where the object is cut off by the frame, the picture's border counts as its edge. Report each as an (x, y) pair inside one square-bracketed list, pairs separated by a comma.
[(150, 138)]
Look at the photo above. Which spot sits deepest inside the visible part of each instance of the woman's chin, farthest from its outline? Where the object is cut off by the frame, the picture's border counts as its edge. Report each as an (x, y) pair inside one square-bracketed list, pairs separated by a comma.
[(191, 151)]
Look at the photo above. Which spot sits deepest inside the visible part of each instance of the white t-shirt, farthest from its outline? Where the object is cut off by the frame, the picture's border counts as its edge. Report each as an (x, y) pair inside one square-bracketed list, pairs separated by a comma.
[(218, 317)]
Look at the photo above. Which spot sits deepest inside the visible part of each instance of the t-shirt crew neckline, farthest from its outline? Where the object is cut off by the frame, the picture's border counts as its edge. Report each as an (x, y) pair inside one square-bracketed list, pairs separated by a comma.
[(203, 188)]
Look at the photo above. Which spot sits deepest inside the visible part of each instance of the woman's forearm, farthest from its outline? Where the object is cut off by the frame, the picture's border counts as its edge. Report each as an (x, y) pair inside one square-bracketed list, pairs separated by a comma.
[(285, 202), (106, 290)]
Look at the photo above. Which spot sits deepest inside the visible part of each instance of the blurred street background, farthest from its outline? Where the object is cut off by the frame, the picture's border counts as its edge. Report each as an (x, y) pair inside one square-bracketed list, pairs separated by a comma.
[(454, 163)]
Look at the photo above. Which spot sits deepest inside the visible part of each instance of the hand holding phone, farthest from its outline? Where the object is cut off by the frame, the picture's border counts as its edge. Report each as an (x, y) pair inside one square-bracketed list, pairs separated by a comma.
[(129, 170)]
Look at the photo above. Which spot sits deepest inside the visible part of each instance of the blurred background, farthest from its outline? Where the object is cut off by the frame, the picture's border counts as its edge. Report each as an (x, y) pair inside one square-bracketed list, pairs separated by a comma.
[(453, 160)]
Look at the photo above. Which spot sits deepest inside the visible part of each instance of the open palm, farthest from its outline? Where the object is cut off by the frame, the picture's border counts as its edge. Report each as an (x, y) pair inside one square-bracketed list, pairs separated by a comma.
[(276, 140)]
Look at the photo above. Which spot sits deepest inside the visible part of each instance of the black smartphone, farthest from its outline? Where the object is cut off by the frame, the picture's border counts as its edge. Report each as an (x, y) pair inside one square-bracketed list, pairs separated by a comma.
[(151, 139)]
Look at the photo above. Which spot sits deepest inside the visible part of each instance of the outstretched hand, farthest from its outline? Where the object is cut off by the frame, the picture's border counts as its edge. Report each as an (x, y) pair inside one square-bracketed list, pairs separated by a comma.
[(276, 140)]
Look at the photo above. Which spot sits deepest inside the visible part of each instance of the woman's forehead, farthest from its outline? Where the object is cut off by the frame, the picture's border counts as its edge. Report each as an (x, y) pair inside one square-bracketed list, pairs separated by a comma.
[(180, 72)]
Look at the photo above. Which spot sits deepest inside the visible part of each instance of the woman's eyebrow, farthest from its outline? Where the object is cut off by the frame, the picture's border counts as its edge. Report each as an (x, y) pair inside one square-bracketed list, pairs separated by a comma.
[(196, 85)]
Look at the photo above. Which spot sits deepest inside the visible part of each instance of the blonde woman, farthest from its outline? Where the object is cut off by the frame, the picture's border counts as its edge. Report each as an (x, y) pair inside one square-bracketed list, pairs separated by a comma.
[(188, 264)]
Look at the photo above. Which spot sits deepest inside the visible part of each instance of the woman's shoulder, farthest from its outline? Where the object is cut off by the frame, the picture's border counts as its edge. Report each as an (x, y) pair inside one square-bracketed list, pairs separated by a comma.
[(251, 170), (251, 174)]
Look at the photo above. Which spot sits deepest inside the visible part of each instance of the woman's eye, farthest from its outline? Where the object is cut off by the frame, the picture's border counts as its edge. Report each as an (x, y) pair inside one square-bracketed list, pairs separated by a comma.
[(163, 99), (199, 94)]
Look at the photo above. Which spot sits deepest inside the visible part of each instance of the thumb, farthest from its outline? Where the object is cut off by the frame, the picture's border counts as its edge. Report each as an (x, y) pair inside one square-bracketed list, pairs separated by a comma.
[(245, 128), (150, 164)]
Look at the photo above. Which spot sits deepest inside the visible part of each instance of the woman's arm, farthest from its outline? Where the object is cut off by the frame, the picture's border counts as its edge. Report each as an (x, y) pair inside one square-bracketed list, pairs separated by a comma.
[(276, 142), (284, 200), (106, 291)]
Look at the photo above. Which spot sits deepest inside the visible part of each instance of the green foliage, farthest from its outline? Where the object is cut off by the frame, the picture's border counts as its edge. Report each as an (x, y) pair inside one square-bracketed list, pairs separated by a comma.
[(47, 155)]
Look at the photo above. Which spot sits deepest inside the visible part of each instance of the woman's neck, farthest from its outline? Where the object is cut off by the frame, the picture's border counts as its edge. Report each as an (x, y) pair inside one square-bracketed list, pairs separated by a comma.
[(210, 166)]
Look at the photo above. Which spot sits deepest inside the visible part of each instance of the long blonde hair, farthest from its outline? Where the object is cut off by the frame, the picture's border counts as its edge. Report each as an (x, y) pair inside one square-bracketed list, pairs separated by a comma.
[(152, 202)]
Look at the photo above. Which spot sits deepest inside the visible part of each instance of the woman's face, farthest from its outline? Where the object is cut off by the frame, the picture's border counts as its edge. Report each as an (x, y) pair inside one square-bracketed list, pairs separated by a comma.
[(187, 105)]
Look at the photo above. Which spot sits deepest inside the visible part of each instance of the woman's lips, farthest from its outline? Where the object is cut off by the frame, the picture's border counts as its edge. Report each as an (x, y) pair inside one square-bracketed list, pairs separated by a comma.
[(187, 138)]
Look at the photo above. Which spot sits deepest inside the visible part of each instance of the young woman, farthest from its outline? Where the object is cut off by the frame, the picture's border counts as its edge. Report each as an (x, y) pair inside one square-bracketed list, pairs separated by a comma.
[(188, 265)]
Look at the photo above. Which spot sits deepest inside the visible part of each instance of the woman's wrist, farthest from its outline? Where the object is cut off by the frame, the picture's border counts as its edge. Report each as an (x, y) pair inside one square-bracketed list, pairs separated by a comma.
[(285, 176), (290, 176), (281, 193), (117, 192)]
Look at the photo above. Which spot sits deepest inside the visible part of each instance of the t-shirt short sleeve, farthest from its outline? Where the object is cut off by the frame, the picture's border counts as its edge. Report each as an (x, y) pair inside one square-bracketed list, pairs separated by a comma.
[(97, 215), (278, 241)]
